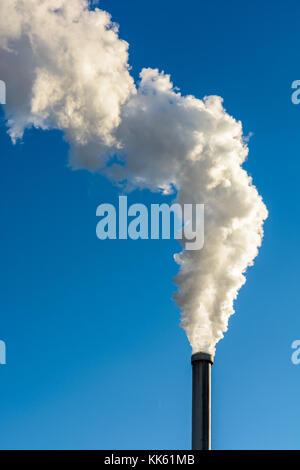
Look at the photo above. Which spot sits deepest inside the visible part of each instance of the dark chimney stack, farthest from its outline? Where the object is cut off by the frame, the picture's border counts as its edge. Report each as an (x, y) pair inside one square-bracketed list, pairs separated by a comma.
[(201, 413)]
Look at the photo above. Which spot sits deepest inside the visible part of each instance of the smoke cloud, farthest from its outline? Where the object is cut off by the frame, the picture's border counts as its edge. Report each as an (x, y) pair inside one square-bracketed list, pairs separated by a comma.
[(67, 69)]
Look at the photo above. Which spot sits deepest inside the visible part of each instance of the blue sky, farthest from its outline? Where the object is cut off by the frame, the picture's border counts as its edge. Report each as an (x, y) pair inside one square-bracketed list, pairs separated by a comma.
[(96, 357)]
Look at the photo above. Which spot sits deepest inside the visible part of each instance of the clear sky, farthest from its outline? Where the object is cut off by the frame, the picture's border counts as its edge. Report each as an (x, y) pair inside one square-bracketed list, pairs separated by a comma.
[(95, 355)]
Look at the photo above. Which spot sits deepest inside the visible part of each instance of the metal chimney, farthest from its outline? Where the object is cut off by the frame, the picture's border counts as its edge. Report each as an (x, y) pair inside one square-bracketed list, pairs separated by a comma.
[(201, 413)]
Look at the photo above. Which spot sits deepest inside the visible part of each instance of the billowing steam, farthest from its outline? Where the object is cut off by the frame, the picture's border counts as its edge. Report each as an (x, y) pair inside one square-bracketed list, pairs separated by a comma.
[(67, 69)]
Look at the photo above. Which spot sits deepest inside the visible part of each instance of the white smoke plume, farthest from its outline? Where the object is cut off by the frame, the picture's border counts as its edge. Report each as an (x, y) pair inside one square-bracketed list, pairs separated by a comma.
[(67, 69)]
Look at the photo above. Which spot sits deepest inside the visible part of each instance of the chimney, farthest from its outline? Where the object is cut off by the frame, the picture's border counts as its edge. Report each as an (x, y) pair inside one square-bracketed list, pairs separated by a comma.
[(201, 412)]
